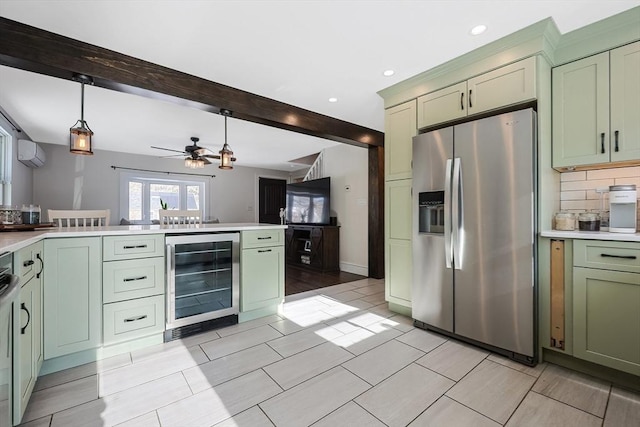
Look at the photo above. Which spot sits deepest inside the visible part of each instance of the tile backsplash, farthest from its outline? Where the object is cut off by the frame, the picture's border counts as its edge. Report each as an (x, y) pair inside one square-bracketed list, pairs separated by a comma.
[(578, 189)]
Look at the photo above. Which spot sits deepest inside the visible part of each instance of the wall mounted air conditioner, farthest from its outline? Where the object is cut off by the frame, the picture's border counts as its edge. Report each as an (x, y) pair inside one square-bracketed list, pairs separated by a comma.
[(30, 153)]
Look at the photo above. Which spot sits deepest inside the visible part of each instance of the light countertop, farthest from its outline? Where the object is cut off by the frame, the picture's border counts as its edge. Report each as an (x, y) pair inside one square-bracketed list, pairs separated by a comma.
[(15, 240), (591, 235)]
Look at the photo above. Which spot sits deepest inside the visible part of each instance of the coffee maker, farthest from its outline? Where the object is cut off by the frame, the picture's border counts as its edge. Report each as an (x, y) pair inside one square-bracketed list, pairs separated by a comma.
[(623, 207)]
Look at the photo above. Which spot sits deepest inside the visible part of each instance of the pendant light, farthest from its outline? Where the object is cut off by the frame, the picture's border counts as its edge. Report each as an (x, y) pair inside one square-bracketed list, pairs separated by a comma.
[(226, 155), (80, 133)]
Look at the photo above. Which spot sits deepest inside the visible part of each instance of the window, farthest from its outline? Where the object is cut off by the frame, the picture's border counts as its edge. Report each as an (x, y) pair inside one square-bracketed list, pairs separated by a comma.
[(5, 167), (140, 195)]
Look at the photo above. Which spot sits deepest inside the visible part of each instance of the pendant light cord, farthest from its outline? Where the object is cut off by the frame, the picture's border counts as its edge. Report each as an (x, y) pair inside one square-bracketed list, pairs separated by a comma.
[(82, 103)]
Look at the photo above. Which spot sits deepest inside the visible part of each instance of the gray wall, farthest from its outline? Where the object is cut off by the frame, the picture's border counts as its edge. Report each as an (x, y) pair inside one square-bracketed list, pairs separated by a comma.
[(69, 181), (22, 176)]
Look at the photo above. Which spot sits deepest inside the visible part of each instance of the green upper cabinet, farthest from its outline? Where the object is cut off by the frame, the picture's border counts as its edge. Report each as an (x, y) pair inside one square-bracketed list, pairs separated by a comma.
[(72, 295), (442, 105), (625, 103), (399, 130), (596, 105), (508, 85)]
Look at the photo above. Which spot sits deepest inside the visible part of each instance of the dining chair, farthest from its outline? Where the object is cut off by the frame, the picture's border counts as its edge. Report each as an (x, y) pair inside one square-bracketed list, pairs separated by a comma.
[(180, 217), (80, 218)]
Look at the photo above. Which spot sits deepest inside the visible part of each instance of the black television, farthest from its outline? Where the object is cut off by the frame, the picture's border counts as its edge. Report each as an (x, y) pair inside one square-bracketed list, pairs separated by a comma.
[(308, 202)]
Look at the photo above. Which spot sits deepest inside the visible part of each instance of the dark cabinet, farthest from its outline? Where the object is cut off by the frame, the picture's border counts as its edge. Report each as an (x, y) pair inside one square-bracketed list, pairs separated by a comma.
[(316, 247)]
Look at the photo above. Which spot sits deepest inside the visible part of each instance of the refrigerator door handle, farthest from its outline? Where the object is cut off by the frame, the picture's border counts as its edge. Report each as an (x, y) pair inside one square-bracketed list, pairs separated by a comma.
[(457, 214), (448, 251)]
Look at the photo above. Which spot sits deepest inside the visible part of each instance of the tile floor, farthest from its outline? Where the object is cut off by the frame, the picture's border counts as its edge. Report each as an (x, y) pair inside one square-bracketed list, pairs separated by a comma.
[(335, 357)]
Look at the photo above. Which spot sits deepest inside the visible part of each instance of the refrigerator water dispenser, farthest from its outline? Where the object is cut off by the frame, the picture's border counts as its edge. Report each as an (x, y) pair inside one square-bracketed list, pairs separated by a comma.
[(431, 211)]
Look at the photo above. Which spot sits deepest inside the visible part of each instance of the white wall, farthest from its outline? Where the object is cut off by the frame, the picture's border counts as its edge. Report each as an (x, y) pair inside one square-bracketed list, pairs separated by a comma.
[(349, 166), (69, 181)]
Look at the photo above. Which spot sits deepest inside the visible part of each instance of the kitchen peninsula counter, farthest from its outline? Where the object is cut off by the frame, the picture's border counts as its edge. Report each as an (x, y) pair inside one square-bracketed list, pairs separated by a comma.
[(591, 235), (16, 240)]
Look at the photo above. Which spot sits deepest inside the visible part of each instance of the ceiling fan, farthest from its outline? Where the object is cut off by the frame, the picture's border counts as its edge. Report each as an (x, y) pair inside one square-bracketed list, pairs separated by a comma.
[(196, 157)]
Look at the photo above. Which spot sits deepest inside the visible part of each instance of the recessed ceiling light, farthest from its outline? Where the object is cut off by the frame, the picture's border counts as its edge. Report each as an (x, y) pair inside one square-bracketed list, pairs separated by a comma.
[(388, 73), (478, 29), (333, 99)]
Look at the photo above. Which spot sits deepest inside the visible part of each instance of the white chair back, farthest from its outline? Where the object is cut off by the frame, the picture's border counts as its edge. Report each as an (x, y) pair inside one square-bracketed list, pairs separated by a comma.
[(80, 218), (180, 217)]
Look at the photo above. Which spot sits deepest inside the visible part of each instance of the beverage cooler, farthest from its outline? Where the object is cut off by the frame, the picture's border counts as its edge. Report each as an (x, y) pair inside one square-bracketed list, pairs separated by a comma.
[(202, 282)]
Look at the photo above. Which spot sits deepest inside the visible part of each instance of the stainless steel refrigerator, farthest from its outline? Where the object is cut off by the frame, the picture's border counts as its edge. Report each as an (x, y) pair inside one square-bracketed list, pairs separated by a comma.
[(474, 204)]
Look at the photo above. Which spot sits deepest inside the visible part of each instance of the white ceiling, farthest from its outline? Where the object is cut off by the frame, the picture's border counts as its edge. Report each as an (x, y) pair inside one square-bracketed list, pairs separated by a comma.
[(298, 52)]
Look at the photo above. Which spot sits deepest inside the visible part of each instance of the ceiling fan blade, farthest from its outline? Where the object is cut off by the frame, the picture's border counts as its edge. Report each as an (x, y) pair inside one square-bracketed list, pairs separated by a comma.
[(171, 156), (168, 149), (206, 161), (211, 156)]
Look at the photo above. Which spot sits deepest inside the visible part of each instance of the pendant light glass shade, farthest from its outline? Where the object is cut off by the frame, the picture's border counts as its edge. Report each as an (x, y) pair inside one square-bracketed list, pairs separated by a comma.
[(226, 154), (80, 134)]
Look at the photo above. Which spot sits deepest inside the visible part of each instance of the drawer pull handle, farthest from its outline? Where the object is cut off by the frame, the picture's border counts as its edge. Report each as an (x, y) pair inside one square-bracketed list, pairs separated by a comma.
[(23, 307), (462, 101), (41, 266), (135, 247), (264, 250), (133, 319), (28, 263), (264, 238), (131, 279), (616, 133), (470, 104), (619, 256), (602, 143)]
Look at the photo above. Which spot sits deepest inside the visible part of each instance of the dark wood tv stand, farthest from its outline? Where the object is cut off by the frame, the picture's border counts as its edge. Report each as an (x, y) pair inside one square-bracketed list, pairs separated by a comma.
[(315, 247)]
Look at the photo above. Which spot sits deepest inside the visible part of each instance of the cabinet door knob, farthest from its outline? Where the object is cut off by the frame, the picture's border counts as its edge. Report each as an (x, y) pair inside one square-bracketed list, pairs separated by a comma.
[(602, 143)]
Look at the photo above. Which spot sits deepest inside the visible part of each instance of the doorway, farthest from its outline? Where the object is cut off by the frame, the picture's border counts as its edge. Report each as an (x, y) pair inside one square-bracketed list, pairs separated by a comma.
[(271, 197)]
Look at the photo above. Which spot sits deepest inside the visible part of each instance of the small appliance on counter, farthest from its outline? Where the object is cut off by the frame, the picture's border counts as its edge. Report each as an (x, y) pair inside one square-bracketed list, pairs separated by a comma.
[(31, 214), (623, 208)]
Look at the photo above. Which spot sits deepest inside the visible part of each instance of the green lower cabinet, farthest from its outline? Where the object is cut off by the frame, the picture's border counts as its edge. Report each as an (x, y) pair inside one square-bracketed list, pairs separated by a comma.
[(261, 277), (398, 276), (606, 318), (72, 295)]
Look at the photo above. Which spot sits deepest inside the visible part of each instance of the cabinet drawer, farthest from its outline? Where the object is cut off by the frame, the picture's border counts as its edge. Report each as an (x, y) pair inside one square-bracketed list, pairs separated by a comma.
[(26, 263), (261, 238), (124, 280), (130, 247), (618, 256), (133, 319)]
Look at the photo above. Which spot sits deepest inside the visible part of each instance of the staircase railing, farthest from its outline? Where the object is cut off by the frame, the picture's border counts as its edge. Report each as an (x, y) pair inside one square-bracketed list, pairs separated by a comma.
[(316, 170)]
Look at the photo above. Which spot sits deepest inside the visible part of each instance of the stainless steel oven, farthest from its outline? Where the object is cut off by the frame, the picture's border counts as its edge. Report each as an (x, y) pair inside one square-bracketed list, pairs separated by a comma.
[(203, 282)]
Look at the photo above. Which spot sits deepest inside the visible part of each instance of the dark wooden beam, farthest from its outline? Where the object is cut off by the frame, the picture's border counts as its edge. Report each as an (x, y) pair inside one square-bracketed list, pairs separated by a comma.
[(376, 212), (33, 49), (29, 48)]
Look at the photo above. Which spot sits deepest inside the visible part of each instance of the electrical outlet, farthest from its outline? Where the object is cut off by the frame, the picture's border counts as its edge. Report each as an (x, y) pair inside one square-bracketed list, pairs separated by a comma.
[(250, 208)]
